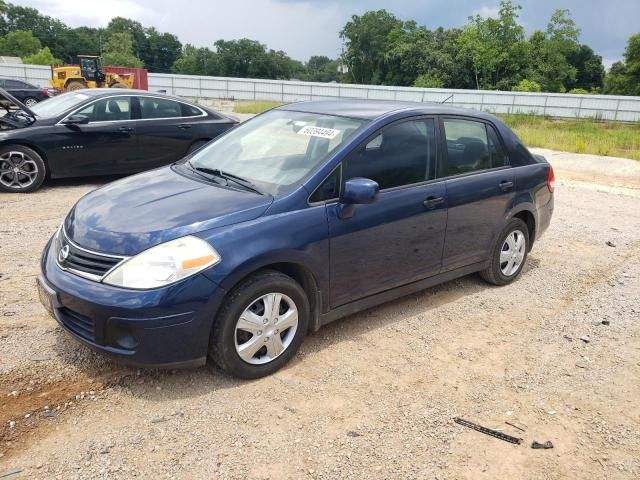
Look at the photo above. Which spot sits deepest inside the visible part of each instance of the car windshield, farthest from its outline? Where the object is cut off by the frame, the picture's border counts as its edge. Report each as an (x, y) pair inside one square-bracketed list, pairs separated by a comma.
[(58, 104), (278, 149)]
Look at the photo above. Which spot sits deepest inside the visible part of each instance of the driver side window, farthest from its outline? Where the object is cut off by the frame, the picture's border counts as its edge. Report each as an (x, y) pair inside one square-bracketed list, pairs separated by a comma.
[(108, 110), (402, 154)]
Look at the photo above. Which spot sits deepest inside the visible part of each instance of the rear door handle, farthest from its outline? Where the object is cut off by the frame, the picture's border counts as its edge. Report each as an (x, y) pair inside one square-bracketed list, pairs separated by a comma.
[(505, 186), (126, 129), (184, 126), (433, 202)]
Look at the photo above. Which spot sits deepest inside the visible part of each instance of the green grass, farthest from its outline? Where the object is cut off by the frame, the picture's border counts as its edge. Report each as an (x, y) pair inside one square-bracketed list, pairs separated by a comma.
[(258, 106), (597, 137)]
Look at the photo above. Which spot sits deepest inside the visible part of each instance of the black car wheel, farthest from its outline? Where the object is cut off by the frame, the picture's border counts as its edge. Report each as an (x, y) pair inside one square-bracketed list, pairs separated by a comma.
[(260, 326), (509, 254), (21, 169), (30, 101)]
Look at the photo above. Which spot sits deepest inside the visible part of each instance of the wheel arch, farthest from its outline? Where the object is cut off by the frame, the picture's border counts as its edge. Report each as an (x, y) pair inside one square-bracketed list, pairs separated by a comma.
[(39, 150), (529, 219), (302, 274)]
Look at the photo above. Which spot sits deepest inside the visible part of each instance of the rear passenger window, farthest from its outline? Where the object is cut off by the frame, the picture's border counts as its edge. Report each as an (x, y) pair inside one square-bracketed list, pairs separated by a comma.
[(402, 154), (153, 107), (472, 146), (108, 110), (190, 110)]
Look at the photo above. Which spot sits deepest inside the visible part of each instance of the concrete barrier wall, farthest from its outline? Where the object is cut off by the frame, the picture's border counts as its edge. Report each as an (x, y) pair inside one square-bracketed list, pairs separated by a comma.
[(606, 107)]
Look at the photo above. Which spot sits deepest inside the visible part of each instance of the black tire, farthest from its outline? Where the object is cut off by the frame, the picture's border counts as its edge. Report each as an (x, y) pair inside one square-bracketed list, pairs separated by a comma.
[(494, 273), (119, 85), (75, 85), (222, 346), (30, 101), (196, 145), (11, 157)]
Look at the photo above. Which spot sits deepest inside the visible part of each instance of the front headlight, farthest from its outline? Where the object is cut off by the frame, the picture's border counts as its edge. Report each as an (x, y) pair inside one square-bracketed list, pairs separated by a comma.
[(164, 264)]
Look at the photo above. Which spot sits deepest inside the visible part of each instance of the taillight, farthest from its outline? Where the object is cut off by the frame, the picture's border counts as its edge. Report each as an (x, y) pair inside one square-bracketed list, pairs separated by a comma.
[(46, 92), (551, 180)]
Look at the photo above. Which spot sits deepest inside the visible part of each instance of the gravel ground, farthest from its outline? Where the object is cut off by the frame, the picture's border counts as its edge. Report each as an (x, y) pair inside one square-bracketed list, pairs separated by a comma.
[(370, 396)]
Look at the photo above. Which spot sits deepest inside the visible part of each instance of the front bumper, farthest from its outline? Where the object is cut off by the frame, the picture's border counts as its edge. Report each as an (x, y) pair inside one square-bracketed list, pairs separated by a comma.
[(165, 327)]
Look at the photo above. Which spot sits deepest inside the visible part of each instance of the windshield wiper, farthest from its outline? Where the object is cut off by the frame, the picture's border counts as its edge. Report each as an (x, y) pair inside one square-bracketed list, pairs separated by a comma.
[(243, 182)]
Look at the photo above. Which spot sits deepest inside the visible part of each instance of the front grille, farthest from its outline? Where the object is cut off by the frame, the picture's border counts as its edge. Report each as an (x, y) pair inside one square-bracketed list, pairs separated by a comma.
[(84, 262), (79, 324)]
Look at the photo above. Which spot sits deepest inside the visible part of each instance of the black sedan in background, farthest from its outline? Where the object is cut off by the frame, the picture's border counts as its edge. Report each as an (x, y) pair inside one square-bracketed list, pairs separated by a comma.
[(25, 92), (97, 132)]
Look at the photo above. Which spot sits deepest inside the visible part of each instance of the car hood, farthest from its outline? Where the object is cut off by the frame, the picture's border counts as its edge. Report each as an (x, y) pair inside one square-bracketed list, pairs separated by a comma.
[(138, 212)]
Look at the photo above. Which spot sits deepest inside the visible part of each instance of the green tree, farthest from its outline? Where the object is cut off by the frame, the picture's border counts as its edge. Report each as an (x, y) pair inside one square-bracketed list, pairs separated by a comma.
[(495, 48), (365, 39), (427, 81), (589, 69), (19, 43), (624, 77), (549, 53), (196, 61), (49, 31), (139, 43), (118, 51), (163, 51), (527, 86), (42, 57), (322, 69)]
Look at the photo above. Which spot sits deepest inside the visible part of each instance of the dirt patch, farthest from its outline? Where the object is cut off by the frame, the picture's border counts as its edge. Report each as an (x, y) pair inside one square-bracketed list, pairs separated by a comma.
[(370, 396)]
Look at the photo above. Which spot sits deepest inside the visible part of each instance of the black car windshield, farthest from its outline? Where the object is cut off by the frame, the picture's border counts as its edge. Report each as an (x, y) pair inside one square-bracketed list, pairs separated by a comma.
[(59, 104), (276, 150)]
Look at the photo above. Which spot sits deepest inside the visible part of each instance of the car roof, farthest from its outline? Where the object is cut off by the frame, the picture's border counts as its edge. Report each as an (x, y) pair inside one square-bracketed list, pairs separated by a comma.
[(373, 109), (105, 92)]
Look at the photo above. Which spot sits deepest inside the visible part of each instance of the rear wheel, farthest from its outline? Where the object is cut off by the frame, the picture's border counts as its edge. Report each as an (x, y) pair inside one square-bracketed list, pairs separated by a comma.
[(75, 85), (509, 255), (260, 326), (119, 85), (30, 101), (21, 169)]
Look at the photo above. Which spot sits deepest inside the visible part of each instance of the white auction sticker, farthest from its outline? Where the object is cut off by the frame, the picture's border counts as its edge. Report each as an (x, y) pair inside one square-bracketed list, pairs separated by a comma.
[(318, 132)]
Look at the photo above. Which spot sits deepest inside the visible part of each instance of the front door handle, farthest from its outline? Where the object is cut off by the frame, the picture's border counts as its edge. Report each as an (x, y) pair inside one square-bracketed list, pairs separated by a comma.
[(505, 186), (184, 126), (433, 202), (126, 129)]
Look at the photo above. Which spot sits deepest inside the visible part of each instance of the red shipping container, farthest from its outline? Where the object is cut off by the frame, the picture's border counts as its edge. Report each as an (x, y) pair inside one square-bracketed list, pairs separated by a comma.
[(140, 80)]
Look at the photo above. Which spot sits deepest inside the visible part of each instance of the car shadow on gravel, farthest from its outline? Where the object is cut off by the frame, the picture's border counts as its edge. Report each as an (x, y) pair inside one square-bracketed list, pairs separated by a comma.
[(94, 181), (166, 385)]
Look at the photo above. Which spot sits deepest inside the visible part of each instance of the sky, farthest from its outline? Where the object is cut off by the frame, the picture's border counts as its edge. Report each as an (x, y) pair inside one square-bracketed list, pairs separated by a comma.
[(311, 27)]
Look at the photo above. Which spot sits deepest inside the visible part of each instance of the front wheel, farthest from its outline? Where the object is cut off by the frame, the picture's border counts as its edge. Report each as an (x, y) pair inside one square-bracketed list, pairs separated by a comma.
[(22, 170), (509, 255), (260, 326), (30, 101)]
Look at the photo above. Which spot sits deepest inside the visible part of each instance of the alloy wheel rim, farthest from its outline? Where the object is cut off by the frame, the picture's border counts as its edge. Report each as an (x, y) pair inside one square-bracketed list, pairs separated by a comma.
[(512, 253), (17, 170), (30, 102), (266, 328)]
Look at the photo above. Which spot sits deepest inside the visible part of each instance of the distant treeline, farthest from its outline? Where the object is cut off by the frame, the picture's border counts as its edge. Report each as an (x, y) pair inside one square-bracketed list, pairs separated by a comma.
[(379, 48)]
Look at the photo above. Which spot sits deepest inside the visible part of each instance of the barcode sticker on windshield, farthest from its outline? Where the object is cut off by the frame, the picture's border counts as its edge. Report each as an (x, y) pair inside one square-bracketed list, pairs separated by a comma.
[(318, 132)]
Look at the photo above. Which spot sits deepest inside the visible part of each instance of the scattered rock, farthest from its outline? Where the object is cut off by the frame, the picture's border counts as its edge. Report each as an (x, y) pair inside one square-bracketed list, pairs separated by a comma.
[(585, 338), (610, 243)]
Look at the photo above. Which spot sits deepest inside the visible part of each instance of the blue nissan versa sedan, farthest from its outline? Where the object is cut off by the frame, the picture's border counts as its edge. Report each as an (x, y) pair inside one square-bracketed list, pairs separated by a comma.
[(302, 215)]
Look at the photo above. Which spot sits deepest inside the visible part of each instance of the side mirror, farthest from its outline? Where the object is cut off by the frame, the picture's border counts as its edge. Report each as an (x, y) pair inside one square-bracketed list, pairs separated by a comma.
[(356, 191), (77, 120)]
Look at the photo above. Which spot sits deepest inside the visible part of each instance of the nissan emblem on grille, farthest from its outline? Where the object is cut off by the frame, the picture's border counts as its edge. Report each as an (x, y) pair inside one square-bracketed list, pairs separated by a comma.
[(63, 254)]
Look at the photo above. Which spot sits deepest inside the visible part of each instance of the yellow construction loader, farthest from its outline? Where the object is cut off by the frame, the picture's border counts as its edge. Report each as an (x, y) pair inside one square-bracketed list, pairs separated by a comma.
[(89, 74)]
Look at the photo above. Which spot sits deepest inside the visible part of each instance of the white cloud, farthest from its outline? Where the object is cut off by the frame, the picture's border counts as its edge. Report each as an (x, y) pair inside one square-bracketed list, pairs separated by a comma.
[(98, 14), (487, 11)]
